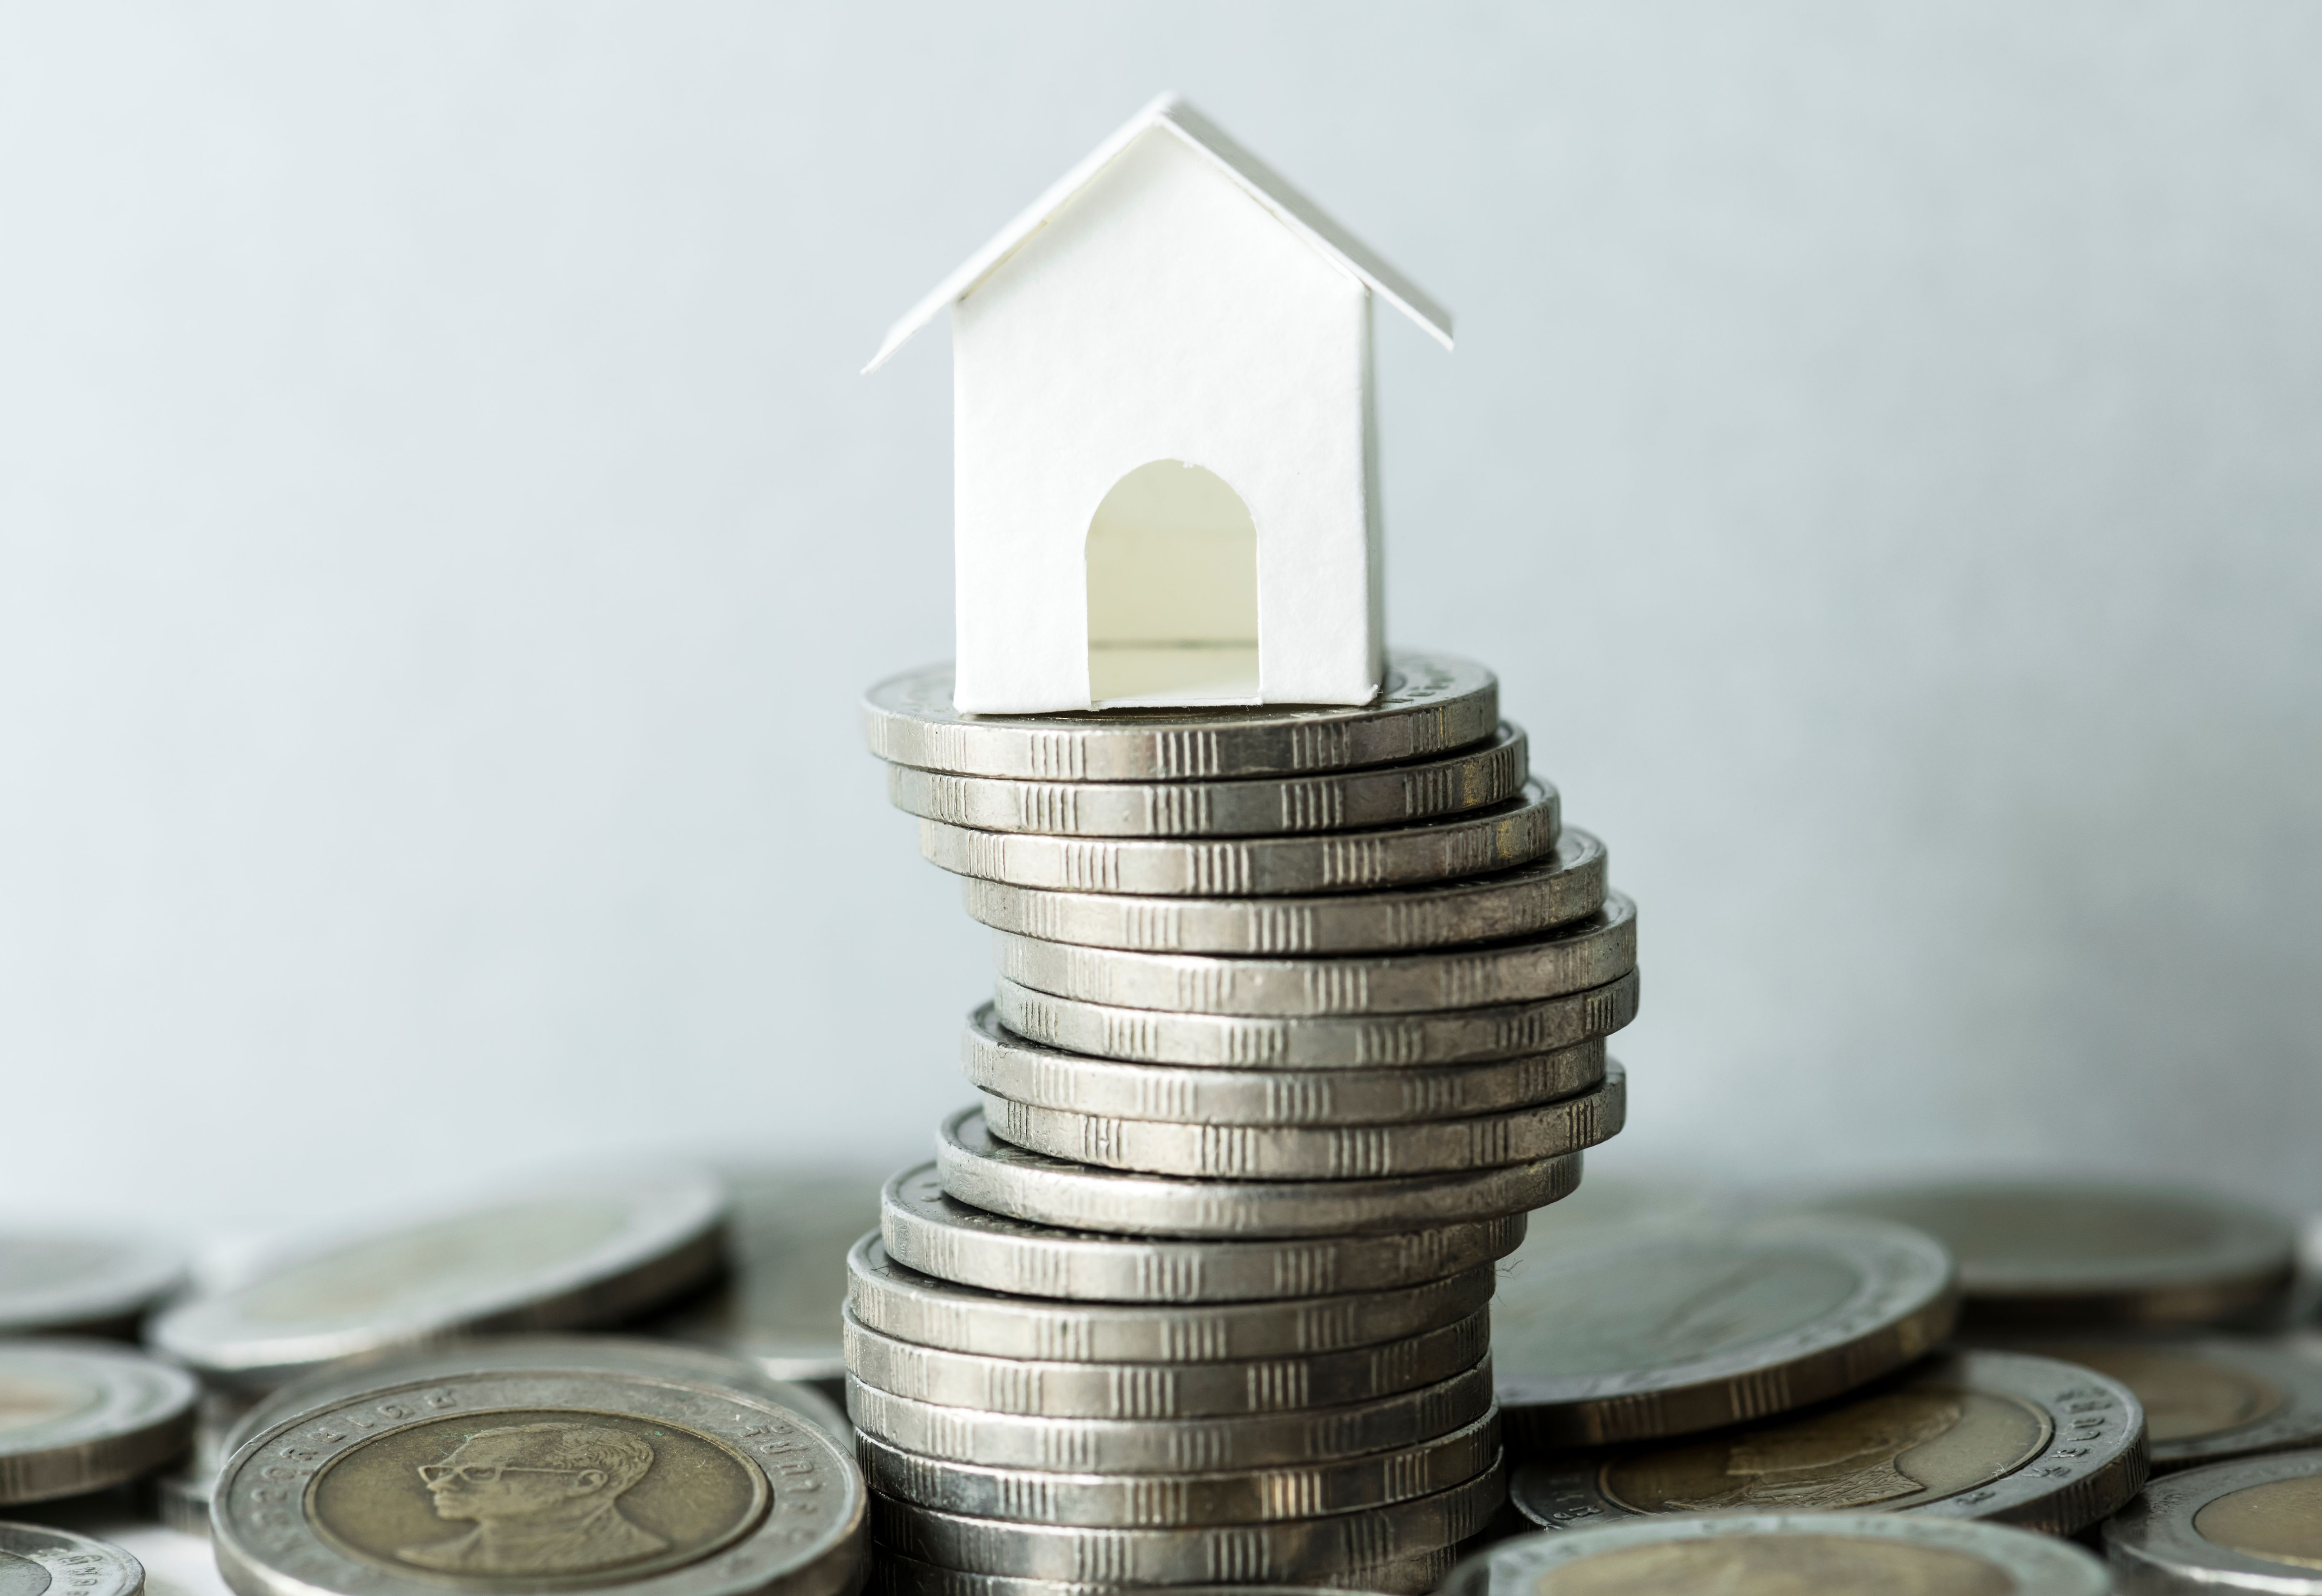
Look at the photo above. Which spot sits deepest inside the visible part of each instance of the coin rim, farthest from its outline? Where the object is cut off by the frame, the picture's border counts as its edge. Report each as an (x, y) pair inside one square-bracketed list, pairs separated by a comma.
[(119, 1561), (141, 1271), (2154, 1534), (142, 1417)]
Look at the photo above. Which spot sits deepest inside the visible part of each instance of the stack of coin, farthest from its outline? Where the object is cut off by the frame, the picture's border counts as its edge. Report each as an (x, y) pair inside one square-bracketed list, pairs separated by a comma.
[(1299, 1012)]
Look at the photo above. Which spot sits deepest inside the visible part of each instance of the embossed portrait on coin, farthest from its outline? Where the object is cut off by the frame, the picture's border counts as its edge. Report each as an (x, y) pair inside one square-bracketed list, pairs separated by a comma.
[(545, 1499)]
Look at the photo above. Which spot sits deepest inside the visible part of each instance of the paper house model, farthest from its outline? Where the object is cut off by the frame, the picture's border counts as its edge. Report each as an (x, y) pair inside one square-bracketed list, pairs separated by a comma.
[(1167, 473)]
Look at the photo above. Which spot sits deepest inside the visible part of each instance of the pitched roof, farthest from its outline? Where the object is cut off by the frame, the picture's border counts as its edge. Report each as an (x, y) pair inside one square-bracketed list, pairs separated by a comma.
[(1261, 182)]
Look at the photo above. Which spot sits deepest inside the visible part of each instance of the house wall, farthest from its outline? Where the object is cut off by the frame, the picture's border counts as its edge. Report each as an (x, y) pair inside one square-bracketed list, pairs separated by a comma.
[(1162, 313)]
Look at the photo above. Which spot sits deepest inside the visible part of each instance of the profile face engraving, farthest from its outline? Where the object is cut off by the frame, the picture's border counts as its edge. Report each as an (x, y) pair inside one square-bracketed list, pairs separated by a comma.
[(545, 1499)]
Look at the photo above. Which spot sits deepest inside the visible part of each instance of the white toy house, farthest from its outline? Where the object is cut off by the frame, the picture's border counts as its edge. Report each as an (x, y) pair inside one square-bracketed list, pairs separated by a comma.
[(1166, 476)]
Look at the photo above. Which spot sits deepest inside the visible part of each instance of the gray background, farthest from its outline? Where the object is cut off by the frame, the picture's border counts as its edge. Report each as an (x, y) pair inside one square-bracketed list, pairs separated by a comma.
[(443, 536)]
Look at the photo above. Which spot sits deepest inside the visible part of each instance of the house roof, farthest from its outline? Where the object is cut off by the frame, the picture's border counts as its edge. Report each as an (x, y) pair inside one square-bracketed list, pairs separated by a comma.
[(1261, 182)]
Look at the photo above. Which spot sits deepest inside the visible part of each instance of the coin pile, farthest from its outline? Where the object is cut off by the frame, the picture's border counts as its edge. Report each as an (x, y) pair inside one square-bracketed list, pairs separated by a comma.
[(1298, 1014)]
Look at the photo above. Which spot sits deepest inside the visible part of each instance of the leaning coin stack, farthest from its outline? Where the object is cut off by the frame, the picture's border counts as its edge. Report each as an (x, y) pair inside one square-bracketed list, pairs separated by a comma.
[(1299, 1013)]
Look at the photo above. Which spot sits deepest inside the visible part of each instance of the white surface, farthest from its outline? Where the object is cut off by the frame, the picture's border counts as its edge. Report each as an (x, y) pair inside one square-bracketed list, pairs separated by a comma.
[(442, 533)]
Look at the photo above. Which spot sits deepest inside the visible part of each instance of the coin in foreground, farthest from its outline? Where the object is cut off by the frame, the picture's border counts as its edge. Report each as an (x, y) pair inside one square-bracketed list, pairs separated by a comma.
[(67, 1284), (79, 1416), (2255, 1523), (894, 1574), (34, 1559)]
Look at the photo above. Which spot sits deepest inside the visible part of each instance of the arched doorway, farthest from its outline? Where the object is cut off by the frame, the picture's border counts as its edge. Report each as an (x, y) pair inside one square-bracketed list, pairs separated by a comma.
[(1172, 590)]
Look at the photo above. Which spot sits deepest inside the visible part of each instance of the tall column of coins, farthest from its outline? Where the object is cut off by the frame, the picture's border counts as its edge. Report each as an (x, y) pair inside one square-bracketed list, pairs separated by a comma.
[(1298, 1014)]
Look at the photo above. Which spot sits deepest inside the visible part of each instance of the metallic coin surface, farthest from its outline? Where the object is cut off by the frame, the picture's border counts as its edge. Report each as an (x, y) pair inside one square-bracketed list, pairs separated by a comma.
[(1314, 1152), (1784, 1554), (35, 1560), (786, 1270), (893, 1574), (541, 1480), (79, 1416), (1556, 964), (2205, 1400), (1031, 1072), (1292, 1549), (1491, 772), (564, 1258), (1565, 885), (919, 1308), (923, 1228), (1182, 1446), (2254, 1524), (181, 1498), (1128, 1501), (1501, 838), (64, 1283), (986, 1172), (2057, 1253), (1977, 1434), (1459, 1035), (1689, 1326), (1429, 704), (1054, 1389)]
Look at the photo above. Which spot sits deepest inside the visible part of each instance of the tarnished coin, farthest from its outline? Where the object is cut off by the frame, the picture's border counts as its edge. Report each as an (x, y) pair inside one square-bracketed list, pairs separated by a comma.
[(1680, 1329), (919, 1308), (2057, 1253), (1182, 1446), (1554, 964), (1253, 1496), (1977, 1434), (1052, 1389), (64, 1283), (565, 1258), (1317, 1153), (1784, 1554), (79, 1416), (925, 1229), (1034, 1073), (1491, 772), (893, 1574), (1459, 1035), (1298, 1549), (986, 1172), (35, 1560), (541, 1480), (1429, 704), (2207, 1400), (1501, 838), (1567, 884), (2255, 1523)]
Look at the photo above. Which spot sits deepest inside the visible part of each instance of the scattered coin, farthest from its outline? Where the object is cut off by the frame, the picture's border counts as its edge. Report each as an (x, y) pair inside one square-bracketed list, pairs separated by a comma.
[(1978, 1435), (893, 1574), (2056, 1252), (1567, 884), (1459, 1036), (2209, 1399), (2254, 1524), (1687, 1327), (80, 1416), (923, 1228), (1784, 1554), (979, 1169), (1429, 704), (619, 1483), (67, 1284), (567, 1258), (34, 1559)]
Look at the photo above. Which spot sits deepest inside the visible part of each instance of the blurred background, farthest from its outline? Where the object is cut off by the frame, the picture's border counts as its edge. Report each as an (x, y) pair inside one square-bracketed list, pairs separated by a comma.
[(443, 537)]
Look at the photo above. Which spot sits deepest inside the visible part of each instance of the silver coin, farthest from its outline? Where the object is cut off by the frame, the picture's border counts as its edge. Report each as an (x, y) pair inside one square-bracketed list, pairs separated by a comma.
[(1769, 1553), (1317, 1153), (2255, 1523), (2058, 1252), (624, 1483), (786, 1271), (919, 1308), (1179, 1446), (925, 1229), (1641, 1335), (1429, 704), (1567, 884), (65, 1283), (986, 1172), (35, 1559), (1973, 1435), (1462, 1036), (1051, 1388), (1498, 838), (79, 1416), (564, 1258), (893, 1574), (2206, 1400), (1125, 1501), (1033, 1073), (181, 1499)]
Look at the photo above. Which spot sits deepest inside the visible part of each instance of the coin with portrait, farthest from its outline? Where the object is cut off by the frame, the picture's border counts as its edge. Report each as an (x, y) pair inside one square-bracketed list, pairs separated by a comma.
[(2252, 1524), (2206, 1398)]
